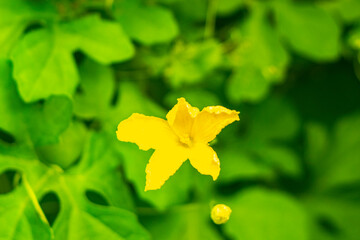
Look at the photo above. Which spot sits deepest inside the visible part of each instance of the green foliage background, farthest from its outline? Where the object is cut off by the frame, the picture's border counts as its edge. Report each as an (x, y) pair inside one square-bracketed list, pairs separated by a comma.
[(71, 70)]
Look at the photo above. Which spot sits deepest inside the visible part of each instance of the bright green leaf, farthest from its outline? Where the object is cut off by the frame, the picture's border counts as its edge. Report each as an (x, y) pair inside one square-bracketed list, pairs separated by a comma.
[(53, 49), (147, 24), (16, 15), (19, 218), (45, 123), (310, 30), (53, 61), (247, 84), (259, 214), (68, 150), (190, 64), (344, 155), (39, 123), (260, 46), (102, 40), (96, 90)]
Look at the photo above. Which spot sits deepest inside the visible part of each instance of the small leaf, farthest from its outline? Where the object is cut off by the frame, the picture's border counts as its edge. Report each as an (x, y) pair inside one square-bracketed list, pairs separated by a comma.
[(45, 123), (259, 214), (247, 84), (260, 46), (344, 155), (53, 61), (96, 90), (310, 30), (281, 159), (237, 163), (53, 49), (156, 24), (16, 15), (281, 116), (102, 40), (68, 149), (39, 123)]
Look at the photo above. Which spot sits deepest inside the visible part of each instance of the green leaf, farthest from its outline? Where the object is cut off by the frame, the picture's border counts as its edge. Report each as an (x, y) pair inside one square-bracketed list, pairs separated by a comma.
[(96, 171), (247, 84), (16, 15), (97, 88), (19, 218), (259, 214), (347, 9), (274, 119), (227, 7), (187, 222), (310, 30), (186, 10), (259, 46), (20, 214), (10, 103), (102, 40), (317, 144), (45, 123), (56, 45), (53, 61), (340, 209), (280, 158), (156, 24), (68, 150), (344, 155), (237, 163), (39, 123), (191, 63)]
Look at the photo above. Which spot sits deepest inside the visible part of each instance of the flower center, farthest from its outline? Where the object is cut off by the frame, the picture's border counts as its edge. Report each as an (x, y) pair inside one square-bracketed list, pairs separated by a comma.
[(186, 140)]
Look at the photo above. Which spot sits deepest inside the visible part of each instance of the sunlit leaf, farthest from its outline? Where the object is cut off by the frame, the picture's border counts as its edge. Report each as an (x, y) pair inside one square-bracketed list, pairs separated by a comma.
[(53, 49), (16, 15), (259, 214), (156, 24), (305, 26)]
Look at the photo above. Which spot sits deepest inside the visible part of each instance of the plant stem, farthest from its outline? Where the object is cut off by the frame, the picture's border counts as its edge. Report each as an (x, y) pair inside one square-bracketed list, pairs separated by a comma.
[(210, 19)]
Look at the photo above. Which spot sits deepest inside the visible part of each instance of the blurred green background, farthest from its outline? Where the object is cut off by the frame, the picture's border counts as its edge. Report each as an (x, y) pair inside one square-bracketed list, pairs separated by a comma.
[(71, 70)]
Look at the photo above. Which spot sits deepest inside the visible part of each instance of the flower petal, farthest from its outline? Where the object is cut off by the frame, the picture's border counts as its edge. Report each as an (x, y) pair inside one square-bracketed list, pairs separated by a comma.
[(205, 160), (181, 118), (146, 132), (163, 164), (210, 121)]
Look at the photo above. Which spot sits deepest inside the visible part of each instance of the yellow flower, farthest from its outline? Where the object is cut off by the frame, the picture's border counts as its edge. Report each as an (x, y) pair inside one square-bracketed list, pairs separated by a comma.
[(220, 213), (185, 135)]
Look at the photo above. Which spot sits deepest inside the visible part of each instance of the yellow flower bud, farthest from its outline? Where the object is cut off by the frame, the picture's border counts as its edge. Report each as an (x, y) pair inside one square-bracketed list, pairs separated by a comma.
[(220, 213)]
